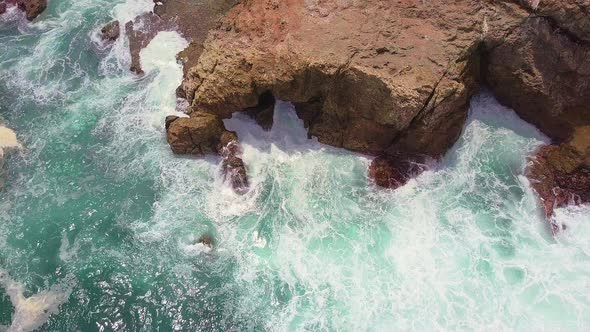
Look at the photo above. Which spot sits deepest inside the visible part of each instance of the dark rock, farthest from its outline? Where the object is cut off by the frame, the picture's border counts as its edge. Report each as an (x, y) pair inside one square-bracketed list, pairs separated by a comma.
[(32, 8), (206, 240), (394, 171), (263, 113), (111, 31), (2, 8), (233, 167)]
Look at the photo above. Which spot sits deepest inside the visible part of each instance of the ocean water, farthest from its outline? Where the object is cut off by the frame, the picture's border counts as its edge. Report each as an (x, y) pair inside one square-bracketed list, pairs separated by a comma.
[(99, 220)]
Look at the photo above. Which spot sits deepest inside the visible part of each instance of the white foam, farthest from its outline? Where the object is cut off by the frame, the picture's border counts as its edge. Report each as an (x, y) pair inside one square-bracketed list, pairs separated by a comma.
[(30, 313)]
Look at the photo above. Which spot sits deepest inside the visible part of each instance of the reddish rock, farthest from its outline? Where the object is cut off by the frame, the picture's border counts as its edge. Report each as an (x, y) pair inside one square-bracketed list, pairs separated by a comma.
[(394, 171), (110, 31), (2, 8), (32, 8), (205, 133), (148, 26), (200, 134), (561, 174)]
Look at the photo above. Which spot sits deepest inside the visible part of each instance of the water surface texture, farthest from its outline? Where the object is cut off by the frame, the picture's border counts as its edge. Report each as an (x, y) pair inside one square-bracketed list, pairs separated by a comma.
[(98, 220)]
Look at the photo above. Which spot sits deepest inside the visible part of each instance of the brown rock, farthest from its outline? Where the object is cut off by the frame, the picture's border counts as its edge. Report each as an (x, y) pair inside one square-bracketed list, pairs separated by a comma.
[(394, 171), (543, 74), (111, 31), (32, 8), (373, 70), (199, 134), (561, 174), (150, 24)]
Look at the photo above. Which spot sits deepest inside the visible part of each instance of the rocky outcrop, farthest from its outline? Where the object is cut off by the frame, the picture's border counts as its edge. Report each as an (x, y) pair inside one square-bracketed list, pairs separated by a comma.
[(192, 19), (205, 133), (32, 8), (541, 70), (560, 174), (393, 78), (140, 32), (111, 31), (394, 171), (372, 76)]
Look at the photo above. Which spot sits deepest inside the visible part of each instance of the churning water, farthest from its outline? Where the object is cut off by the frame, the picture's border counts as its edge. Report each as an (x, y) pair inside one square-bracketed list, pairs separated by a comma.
[(98, 220)]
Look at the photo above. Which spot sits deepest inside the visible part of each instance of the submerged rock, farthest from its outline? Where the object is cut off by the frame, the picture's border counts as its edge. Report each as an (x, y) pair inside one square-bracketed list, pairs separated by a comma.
[(394, 171), (206, 240), (111, 31), (32, 8)]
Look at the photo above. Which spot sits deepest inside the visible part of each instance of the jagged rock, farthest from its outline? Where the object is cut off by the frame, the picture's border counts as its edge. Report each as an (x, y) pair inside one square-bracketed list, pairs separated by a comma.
[(233, 167), (32, 8), (541, 70), (263, 113), (110, 31), (141, 31), (377, 68), (544, 75), (205, 133), (199, 134), (560, 174), (206, 240), (394, 170), (395, 77)]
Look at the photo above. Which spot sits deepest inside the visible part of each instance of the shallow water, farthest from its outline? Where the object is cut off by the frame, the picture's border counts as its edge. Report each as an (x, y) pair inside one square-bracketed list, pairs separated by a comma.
[(98, 220)]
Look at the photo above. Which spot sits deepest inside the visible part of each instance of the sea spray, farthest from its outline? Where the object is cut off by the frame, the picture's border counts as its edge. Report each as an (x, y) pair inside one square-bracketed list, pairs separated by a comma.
[(312, 246)]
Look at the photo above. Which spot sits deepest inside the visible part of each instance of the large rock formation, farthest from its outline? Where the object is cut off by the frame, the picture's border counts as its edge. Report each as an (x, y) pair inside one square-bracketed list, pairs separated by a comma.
[(393, 78), (372, 76), (541, 70)]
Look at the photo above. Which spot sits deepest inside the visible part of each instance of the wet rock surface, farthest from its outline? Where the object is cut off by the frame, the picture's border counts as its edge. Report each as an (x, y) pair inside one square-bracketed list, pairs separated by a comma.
[(111, 31), (205, 133), (560, 174), (395, 170), (32, 8), (393, 78), (2, 8)]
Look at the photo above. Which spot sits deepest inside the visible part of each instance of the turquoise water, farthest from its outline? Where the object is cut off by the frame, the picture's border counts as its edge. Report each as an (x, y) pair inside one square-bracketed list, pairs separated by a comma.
[(98, 220)]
